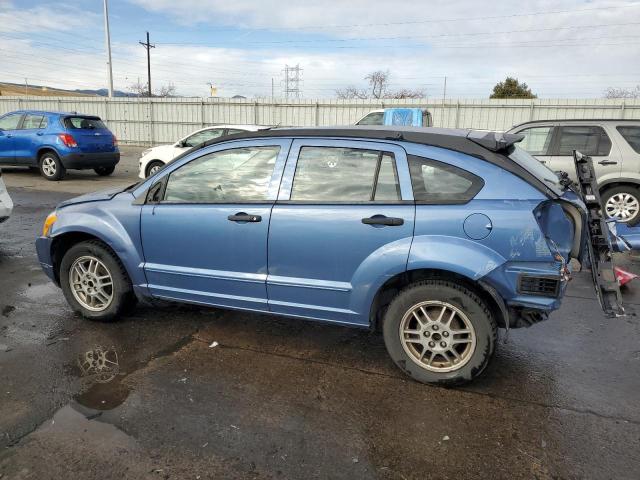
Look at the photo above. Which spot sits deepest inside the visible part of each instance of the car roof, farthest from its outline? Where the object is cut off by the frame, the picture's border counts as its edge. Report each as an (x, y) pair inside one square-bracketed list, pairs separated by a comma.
[(577, 120), (53, 112)]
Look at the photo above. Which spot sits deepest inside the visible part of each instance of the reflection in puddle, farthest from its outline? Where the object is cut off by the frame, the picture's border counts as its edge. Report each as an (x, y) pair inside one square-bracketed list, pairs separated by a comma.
[(101, 365)]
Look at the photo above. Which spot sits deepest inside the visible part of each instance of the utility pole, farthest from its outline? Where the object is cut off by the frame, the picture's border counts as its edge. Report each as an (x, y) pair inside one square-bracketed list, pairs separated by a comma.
[(148, 46), (271, 89), (107, 38), (26, 87), (444, 91)]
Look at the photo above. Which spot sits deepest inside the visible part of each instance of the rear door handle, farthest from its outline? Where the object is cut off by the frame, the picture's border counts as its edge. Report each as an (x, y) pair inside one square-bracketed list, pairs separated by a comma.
[(382, 220), (39, 134), (244, 217), (606, 161)]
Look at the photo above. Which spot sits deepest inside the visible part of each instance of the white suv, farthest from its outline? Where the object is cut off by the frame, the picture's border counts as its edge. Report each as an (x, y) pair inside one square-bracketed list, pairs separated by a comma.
[(153, 159), (6, 205), (614, 146)]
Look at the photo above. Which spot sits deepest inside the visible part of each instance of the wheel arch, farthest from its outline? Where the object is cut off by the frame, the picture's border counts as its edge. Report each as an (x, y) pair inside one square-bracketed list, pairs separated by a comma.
[(389, 289), (44, 149), (147, 167), (618, 182)]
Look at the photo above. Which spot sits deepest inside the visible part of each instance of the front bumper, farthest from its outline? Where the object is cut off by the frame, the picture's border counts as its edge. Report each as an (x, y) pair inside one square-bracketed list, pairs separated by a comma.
[(43, 249), (80, 161)]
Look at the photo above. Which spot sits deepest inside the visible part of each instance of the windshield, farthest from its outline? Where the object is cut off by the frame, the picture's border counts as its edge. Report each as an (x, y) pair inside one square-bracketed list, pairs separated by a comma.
[(537, 169)]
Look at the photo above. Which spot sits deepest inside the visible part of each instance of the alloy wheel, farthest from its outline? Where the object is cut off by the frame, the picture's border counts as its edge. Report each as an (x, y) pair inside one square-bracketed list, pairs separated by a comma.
[(622, 206), (91, 283), (437, 336), (49, 166)]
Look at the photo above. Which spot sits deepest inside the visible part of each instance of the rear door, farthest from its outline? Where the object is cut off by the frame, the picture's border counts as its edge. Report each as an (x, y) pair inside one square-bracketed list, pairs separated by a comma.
[(343, 221), (90, 133), (591, 140), (205, 237), (8, 128), (29, 137)]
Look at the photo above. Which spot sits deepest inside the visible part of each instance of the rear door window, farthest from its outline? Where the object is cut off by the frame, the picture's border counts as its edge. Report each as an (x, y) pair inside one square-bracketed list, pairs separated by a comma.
[(84, 123), (632, 135), (588, 140), (10, 122), (537, 140), (338, 174), (440, 183), (32, 122)]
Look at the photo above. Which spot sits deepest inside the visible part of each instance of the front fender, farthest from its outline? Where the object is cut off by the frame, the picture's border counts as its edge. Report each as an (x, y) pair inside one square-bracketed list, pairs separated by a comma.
[(454, 254), (117, 227)]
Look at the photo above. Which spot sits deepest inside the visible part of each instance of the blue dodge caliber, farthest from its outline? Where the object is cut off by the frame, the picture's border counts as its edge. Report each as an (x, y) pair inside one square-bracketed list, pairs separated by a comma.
[(437, 237)]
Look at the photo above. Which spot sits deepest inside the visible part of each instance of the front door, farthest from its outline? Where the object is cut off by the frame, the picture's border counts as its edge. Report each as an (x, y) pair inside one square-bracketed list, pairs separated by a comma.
[(205, 240), (8, 127), (344, 216), (28, 138)]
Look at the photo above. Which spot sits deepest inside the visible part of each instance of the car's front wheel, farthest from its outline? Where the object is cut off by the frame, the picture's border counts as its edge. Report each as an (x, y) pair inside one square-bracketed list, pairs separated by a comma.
[(439, 331), (622, 204), (104, 171), (94, 282), (51, 167), (153, 167)]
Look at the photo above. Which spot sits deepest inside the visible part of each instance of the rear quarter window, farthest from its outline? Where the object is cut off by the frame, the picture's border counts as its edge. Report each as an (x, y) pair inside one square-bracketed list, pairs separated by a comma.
[(440, 183), (632, 136), (84, 123)]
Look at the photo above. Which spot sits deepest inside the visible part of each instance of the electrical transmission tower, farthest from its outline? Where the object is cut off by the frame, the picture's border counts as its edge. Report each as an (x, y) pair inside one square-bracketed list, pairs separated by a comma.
[(292, 79)]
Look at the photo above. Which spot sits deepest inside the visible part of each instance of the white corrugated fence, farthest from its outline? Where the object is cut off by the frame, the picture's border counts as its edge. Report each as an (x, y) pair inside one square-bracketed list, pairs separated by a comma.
[(147, 121)]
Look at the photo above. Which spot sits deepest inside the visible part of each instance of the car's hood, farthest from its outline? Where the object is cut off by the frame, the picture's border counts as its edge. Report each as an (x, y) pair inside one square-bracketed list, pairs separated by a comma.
[(102, 195), (163, 152)]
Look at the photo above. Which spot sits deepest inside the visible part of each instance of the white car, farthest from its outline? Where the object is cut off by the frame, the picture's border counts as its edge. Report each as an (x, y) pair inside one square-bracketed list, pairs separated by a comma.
[(6, 205), (153, 159)]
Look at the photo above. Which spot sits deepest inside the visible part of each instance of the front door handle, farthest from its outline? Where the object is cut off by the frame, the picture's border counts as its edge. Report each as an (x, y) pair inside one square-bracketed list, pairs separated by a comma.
[(606, 161), (244, 217), (39, 134), (382, 220)]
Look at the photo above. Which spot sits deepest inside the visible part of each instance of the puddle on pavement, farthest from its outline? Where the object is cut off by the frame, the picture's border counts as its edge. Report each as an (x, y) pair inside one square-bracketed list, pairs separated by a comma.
[(104, 369), (38, 292)]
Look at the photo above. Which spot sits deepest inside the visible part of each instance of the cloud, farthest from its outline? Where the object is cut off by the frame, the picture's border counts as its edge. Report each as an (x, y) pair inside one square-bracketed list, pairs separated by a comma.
[(59, 17)]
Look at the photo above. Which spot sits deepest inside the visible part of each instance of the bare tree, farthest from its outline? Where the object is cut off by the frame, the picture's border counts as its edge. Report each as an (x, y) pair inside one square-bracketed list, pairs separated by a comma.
[(142, 90), (378, 83), (167, 91), (614, 92), (406, 93), (378, 88)]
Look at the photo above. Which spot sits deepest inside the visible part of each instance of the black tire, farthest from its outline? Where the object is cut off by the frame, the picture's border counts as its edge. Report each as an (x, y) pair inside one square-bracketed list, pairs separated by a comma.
[(152, 164), (466, 301), (123, 297), (104, 171), (51, 167), (622, 189)]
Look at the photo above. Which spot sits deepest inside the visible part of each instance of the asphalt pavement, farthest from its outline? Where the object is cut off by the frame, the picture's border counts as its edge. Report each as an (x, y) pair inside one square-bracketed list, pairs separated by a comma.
[(179, 392)]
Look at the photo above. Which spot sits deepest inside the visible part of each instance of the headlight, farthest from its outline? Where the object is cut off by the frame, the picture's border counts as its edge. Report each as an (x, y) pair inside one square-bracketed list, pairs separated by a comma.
[(144, 152), (48, 223)]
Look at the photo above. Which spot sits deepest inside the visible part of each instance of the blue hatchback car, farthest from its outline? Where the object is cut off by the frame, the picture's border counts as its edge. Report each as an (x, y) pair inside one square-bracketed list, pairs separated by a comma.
[(57, 141), (437, 237)]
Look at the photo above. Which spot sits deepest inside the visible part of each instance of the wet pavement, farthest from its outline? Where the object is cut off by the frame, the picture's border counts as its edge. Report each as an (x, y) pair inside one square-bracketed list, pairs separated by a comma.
[(153, 395)]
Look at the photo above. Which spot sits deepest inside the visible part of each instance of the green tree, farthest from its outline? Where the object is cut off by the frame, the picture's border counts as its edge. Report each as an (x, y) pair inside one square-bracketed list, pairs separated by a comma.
[(511, 88)]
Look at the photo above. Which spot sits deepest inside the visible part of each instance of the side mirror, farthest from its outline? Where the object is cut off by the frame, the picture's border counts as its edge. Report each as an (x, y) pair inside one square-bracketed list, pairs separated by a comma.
[(181, 144)]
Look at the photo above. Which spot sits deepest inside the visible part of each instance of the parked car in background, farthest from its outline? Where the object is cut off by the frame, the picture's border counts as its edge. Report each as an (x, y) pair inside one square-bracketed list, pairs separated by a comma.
[(153, 159), (377, 117), (6, 205), (438, 237), (57, 141), (614, 146)]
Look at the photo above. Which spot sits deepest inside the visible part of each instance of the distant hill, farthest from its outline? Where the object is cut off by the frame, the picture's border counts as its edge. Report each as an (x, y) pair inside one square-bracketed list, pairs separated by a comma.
[(17, 89)]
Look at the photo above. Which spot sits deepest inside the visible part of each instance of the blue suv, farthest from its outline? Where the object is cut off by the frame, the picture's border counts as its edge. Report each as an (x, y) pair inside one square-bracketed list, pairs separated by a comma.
[(57, 141), (437, 237)]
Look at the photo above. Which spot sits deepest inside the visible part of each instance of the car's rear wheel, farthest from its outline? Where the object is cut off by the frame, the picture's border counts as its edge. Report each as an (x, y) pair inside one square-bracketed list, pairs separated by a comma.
[(622, 204), (439, 331), (51, 167), (104, 171), (153, 167), (94, 282)]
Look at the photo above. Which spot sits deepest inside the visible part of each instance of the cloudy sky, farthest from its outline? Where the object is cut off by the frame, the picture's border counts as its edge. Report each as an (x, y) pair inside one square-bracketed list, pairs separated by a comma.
[(561, 48)]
